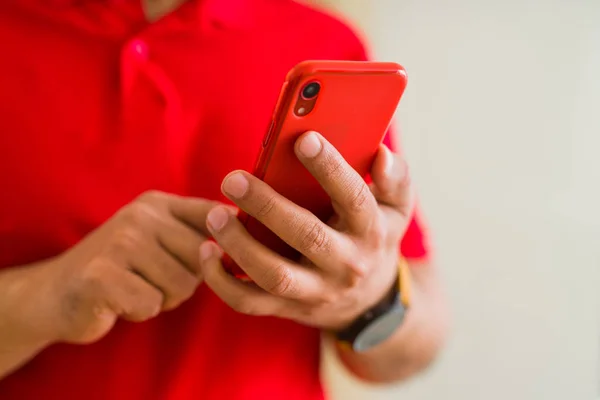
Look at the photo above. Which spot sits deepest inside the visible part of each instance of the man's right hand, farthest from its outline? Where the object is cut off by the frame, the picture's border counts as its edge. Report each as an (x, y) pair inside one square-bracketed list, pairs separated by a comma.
[(141, 261)]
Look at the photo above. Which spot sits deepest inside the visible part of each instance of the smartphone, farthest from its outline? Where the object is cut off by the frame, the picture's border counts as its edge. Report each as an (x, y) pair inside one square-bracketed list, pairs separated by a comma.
[(351, 103)]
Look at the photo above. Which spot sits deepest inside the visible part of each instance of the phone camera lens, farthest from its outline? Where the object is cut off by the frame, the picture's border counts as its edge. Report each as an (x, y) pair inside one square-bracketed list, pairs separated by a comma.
[(311, 90)]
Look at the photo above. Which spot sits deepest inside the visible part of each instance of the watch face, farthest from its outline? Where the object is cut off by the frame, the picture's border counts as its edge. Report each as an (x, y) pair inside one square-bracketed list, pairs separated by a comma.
[(380, 329)]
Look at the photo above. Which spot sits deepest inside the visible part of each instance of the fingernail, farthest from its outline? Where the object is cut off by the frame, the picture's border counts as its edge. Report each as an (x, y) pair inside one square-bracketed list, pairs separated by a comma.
[(389, 161), (236, 185), (310, 145), (217, 218), (206, 251)]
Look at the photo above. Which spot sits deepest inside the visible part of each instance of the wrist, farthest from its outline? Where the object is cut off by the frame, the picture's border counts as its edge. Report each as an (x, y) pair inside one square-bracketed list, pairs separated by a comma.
[(28, 306), (381, 320), (375, 294)]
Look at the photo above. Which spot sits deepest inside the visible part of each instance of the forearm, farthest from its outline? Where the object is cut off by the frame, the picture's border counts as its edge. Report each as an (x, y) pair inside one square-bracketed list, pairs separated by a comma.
[(24, 316), (415, 345)]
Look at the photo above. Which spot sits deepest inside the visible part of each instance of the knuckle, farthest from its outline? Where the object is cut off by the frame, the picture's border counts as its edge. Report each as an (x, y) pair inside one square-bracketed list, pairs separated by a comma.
[(356, 267), (329, 298), (93, 276), (84, 291), (359, 198), (187, 286), (309, 313), (127, 239), (331, 164), (314, 239), (140, 213), (242, 305), (267, 208), (152, 197), (184, 289), (279, 280), (380, 239), (148, 306), (377, 235), (359, 264), (147, 312), (172, 303), (332, 167), (155, 300)]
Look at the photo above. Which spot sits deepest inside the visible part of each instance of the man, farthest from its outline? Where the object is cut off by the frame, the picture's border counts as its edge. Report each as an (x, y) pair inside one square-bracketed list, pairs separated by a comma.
[(119, 122)]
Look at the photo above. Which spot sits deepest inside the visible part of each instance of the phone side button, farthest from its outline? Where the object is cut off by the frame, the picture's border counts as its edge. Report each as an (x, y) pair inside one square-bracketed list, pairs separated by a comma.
[(269, 133)]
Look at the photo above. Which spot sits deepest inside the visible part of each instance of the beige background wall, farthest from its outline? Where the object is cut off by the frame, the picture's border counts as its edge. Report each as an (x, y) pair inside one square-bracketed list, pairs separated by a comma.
[(501, 125)]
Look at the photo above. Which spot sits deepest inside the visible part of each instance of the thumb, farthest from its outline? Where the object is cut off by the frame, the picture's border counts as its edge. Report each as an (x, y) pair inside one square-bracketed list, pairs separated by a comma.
[(391, 181)]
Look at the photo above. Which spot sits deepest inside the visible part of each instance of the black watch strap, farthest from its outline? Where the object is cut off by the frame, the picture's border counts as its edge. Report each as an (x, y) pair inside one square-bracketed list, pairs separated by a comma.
[(379, 322)]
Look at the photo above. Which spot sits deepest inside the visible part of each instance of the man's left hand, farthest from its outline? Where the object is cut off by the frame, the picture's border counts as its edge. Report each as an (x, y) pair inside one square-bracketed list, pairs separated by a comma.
[(348, 265)]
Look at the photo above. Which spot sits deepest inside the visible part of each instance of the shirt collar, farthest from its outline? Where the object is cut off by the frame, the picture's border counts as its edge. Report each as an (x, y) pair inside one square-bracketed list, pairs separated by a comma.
[(229, 13)]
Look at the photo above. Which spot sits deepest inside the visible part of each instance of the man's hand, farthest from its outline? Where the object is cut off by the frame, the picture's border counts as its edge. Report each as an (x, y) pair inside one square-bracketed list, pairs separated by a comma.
[(349, 264), (140, 262)]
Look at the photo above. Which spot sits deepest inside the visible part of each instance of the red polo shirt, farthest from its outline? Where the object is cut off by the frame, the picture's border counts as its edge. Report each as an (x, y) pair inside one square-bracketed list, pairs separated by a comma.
[(98, 106)]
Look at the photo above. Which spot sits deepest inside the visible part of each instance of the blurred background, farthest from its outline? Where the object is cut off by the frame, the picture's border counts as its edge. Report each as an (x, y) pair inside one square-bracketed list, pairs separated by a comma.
[(501, 125)]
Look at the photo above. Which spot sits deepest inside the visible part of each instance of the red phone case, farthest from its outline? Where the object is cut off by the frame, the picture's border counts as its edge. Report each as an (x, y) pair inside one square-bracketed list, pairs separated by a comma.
[(353, 111)]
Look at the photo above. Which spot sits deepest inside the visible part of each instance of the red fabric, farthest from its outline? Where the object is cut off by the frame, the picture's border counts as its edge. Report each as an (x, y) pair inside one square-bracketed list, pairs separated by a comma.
[(98, 106)]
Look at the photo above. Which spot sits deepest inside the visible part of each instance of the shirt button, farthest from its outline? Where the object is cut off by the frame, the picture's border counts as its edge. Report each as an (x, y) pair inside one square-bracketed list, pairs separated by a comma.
[(140, 49)]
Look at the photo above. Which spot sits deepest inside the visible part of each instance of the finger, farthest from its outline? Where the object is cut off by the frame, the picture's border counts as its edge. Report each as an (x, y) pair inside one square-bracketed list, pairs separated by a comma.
[(349, 193), (266, 268), (242, 297), (180, 223), (295, 225), (127, 294), (165, 273), (391, 182), (182, 242), (192, 211)]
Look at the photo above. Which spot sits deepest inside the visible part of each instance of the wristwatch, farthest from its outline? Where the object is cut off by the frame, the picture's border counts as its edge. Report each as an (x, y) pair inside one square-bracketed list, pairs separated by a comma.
[(381, 321)]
